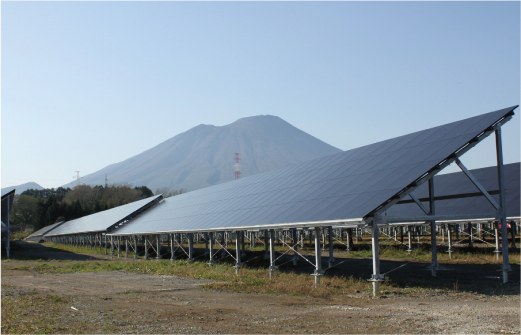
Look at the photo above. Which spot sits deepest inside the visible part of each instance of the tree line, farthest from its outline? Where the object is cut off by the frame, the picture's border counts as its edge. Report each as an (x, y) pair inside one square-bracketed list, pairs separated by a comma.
[(40, 208)]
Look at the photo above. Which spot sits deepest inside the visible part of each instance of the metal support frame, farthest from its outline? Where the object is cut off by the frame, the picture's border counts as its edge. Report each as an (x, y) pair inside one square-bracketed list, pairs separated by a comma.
[(206, 243), (172, 249), (211, 261), (318, 257), (238, 242), (501, 213), (266, 244), (331, 258), (112, 245), (295, 246), (158, 243), (146, 247), (449, 241), (243, 245), (119, 246), (434, 254), (135, 247), (272, 267), (190, 247), (376, 277)]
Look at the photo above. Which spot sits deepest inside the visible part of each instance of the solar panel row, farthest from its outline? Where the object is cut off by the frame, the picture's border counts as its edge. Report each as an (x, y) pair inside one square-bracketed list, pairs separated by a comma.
[(460, 190), (101, 221), (344, 187)]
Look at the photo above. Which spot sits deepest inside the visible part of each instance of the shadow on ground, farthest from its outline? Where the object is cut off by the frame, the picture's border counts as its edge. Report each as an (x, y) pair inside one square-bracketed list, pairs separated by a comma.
[(477, 278)]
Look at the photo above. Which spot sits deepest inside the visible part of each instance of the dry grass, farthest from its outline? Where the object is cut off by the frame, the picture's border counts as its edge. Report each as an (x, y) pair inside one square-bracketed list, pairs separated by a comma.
[(31, 314)]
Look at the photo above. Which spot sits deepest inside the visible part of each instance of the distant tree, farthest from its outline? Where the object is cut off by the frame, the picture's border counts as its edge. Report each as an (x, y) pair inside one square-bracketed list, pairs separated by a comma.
[(117, 195), (145, 191), (41, 208), (59, 193), (24, 210), (167, 193)]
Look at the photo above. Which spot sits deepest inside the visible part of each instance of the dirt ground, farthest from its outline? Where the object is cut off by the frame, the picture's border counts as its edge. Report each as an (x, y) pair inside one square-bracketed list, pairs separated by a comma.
[(122, 302)]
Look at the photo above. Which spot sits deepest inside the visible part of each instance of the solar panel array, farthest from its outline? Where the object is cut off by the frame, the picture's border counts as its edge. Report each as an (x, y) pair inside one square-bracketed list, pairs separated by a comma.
[(342, 187), (460, 187), (40, 232), (99, 222)]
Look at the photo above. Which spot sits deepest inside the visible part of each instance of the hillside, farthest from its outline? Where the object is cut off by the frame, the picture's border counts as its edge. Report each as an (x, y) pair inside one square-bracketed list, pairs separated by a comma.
[(22, 187), (203, 155)]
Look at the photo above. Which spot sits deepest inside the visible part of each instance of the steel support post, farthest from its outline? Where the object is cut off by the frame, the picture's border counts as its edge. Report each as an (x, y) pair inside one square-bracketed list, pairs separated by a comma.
[(295, 245), (238, 251), (172, 248), (105, 244), (266, 244), (349, 241), (158, 246), (243, 245), (409, 240), (449, 240), (497, 251), (434, 254), (471, 239), (190, 247), (211, 261), (135, 246), (112, 245), (206, 243), (223, 242), (119, 246), (502, 210), (146, 247), (376, 277), (272, 267), (100, 238), (126, 247), (331, 258), (318, 258)]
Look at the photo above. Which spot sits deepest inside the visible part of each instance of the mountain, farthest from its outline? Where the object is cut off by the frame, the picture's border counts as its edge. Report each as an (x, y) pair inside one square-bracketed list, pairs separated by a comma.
[(21, 188), (204, 155)]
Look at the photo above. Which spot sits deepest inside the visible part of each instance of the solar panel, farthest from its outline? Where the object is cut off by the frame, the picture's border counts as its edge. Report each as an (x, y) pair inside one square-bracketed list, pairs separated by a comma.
[(101, 221), (461, 196), (344, 187), (42, 231)]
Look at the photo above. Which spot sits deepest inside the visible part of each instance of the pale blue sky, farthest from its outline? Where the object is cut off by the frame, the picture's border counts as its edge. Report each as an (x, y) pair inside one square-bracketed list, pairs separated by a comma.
[(88, 84)]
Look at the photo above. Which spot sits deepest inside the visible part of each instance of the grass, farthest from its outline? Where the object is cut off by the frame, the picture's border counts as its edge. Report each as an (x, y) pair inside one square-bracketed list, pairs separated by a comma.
[(31, 314), (250, 280), (20, 234), (254, 277)]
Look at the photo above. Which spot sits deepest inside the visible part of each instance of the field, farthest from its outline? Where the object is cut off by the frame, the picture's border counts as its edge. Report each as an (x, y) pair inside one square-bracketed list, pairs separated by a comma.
[(43, 283)]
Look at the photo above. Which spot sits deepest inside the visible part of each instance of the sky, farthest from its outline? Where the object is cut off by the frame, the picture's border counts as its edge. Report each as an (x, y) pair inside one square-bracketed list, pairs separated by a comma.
[(88, 84)]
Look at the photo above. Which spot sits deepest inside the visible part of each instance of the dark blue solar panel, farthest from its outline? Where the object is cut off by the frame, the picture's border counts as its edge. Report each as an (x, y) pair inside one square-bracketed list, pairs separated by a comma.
[(457, 184), (345, 186)]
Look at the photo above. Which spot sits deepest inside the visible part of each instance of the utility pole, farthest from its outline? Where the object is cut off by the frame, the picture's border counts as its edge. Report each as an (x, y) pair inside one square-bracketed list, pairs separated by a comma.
[(106, 180), (77, 177)]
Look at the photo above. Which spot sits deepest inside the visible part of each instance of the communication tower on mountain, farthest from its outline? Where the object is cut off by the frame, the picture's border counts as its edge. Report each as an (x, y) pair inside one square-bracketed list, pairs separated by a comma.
[(237, 166), (77, 176)]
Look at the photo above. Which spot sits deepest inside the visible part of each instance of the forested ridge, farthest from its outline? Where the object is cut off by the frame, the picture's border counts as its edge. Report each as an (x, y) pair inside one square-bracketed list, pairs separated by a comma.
[(40, 208)]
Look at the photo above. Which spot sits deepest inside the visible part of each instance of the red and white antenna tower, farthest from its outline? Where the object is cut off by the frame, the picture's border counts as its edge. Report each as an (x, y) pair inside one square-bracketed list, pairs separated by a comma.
[(237, 166)]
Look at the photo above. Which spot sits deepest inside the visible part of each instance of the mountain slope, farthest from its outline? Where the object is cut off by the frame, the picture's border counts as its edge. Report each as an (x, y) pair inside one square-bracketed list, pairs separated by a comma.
[(203, 155), (22, 187)]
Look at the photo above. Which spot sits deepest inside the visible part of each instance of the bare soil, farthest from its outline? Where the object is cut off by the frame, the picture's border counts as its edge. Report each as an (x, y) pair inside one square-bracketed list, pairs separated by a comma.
[(123, 302)]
